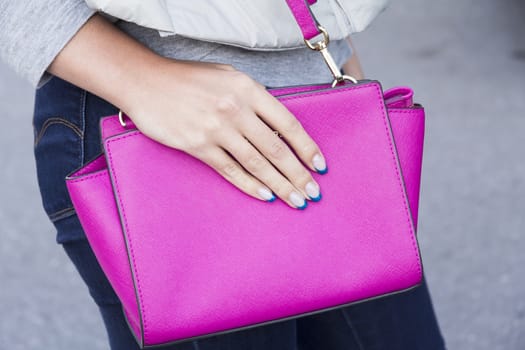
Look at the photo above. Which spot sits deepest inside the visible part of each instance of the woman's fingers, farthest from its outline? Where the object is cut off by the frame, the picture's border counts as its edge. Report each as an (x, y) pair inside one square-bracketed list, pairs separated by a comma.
[(233, 172), (258, 166), (271, 146), (264, 156), (278, 117)]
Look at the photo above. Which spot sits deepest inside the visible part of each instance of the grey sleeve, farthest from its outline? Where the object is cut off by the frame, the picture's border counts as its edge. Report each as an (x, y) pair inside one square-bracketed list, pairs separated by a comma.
[(32, 33)]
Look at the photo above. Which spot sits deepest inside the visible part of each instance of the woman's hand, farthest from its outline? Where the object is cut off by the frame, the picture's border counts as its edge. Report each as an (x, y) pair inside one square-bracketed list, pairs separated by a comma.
[(211, 111), (226, 119)]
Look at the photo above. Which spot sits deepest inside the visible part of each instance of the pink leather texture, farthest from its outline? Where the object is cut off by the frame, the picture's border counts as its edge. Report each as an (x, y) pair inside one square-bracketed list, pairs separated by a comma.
[(304, 17), (190, 255)]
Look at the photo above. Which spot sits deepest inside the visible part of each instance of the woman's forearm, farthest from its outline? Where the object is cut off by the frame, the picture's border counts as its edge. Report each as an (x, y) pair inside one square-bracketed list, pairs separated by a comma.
[(104, 60)]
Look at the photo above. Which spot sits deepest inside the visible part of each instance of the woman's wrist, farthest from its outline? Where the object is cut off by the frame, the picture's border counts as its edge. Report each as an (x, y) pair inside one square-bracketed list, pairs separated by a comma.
[(352, 66)]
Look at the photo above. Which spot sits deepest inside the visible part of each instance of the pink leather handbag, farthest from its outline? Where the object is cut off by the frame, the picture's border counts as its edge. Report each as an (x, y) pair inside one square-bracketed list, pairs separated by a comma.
[(191, 256)]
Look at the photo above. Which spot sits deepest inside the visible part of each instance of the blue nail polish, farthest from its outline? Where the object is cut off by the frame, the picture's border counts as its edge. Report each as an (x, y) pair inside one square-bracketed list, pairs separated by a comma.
[(302, 207), (322, 172), (318, 198), (272, 199)]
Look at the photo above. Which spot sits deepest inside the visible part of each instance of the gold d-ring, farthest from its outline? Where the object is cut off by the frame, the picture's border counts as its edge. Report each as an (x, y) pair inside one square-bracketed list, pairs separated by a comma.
[(342, 79), (121, 119), (318, 46)]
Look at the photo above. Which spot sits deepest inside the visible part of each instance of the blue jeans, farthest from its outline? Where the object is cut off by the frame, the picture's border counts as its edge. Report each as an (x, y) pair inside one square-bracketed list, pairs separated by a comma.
[(67, 136)]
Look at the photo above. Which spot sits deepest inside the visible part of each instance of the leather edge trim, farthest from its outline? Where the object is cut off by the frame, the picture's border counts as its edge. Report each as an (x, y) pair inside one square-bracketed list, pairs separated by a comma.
[(129, 249)]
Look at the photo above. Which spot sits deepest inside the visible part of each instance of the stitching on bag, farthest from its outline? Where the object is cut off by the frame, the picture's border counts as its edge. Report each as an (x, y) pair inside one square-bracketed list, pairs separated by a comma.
[(404, 111), (404, 200), (310, 93), (89, 177), (88, 168), (141, 301)]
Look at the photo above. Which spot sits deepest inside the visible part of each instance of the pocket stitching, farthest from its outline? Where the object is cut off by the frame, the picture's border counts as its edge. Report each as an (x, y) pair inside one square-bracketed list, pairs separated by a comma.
[(57, 120), (82, 123)]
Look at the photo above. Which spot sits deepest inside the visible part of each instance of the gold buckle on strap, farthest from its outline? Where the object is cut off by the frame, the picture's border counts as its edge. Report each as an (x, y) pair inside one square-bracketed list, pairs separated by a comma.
[(322, 47)]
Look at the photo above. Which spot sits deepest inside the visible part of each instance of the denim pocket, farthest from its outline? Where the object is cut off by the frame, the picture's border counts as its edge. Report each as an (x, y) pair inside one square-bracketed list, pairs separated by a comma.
[(65, 123), (58, 123)]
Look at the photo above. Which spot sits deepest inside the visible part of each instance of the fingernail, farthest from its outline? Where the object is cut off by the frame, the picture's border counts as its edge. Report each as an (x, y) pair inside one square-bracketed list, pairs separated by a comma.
[(319, 164), (298, 200), (266, 194), (312, 190)]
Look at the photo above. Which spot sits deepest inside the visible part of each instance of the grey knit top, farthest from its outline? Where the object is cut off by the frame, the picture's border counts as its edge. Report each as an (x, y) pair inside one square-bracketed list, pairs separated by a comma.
[(33, 32)]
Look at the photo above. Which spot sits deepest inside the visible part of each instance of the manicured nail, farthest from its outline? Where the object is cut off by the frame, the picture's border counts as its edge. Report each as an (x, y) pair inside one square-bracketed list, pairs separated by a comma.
[(312, 190), (298, 200), (266, 194), (319, 164)]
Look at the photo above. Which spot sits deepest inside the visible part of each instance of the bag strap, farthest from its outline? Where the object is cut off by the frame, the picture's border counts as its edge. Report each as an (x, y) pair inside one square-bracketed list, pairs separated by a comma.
[(304, 17), (310, 29)]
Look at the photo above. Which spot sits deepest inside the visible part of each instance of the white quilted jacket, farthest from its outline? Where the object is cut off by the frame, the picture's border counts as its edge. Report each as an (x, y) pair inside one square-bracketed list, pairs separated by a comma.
[(254, 24)]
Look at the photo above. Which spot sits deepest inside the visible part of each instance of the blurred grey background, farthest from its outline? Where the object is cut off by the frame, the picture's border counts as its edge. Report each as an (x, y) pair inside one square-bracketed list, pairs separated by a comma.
[(466, 62)]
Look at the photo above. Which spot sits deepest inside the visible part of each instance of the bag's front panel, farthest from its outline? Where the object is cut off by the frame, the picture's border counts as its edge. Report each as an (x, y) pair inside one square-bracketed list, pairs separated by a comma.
[(208, 258)]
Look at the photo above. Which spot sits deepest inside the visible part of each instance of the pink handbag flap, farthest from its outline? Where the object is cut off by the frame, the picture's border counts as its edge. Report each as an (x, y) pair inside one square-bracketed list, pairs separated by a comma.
[(193, 239)]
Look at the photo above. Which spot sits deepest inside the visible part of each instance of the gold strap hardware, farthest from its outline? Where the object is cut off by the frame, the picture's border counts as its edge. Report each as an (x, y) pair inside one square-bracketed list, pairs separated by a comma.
[(121, 119), (322, 47)]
